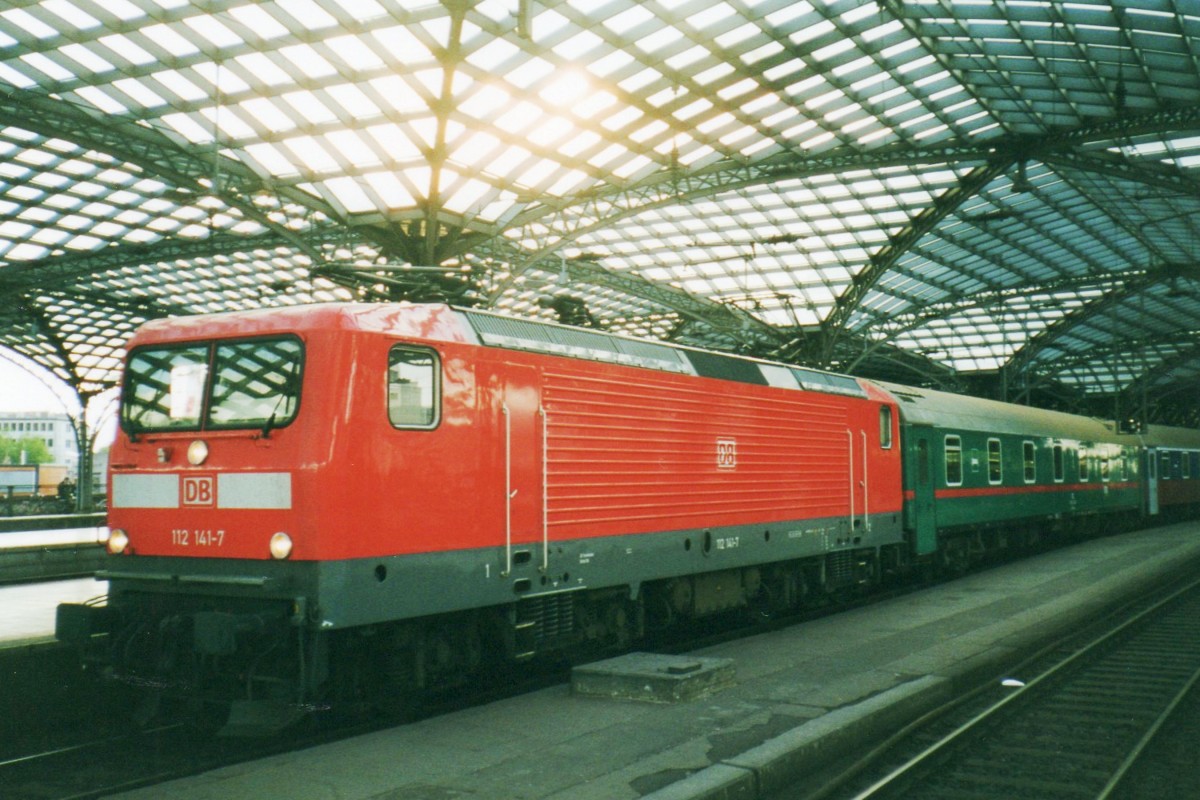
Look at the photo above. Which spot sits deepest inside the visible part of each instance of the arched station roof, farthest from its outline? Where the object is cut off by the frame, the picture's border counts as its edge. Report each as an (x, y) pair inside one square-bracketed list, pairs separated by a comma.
[(999, 196)]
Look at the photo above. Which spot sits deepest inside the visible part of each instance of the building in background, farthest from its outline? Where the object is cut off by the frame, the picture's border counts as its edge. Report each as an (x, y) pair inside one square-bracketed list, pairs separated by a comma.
[(54, 429)]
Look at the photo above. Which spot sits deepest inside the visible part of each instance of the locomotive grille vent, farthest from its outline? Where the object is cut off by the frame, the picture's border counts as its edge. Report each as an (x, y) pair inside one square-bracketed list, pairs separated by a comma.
[(839, 568), (553, 616)]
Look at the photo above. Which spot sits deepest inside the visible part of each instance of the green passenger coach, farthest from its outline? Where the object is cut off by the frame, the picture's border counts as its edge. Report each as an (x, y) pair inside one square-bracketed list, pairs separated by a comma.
[(981, 475)]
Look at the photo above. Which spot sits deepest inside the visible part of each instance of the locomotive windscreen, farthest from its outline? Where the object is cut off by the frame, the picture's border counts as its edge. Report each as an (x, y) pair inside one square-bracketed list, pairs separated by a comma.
[(248, 383)]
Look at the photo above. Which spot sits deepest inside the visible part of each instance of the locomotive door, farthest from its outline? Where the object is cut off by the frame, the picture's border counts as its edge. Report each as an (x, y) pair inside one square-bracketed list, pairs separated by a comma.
[(923, 518), (1151, 473), (859, 477), (522, 431)]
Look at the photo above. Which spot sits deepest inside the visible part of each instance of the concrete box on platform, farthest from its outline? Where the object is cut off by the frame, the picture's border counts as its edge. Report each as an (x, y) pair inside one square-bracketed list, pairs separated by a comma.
[(653, 678)]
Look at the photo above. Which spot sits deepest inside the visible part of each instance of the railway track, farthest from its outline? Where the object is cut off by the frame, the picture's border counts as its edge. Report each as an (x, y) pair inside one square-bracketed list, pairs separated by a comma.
[(71, 763), (1078, 730), (95, 767), (97, 758)]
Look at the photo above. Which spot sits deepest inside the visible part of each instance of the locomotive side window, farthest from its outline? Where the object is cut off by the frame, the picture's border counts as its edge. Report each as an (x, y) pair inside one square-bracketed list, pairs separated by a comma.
[(885, 427), (1059, 465), (413, 388), (1029, 456), (256, 383), (954, 476), (995, 465)]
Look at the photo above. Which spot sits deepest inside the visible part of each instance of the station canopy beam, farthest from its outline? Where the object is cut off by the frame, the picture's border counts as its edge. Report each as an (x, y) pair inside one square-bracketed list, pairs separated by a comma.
[(1000, 199)]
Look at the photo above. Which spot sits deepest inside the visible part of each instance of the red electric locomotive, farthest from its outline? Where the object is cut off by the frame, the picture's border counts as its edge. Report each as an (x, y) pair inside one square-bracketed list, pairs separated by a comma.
[(332, 500)]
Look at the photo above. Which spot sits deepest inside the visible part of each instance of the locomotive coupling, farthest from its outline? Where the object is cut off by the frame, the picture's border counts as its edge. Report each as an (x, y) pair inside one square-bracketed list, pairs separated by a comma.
[(216, 633)]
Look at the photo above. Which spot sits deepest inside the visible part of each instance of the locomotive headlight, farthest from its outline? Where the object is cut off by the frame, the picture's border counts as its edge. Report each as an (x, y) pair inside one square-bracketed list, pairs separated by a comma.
[(197, 452), (118, 540), (281, 546)]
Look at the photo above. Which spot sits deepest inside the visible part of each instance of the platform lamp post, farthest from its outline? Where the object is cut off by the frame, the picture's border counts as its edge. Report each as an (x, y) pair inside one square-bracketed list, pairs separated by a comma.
[(84, 434)]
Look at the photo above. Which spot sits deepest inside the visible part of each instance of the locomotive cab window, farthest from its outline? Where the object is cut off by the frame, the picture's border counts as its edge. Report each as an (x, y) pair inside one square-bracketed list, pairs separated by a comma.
[(246, 383), (256, 383), (954, 475), (995, 463), (413, 387), (164, 388)]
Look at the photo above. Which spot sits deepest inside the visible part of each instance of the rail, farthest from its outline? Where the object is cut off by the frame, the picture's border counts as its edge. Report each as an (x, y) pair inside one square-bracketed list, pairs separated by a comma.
[(1073, 731)]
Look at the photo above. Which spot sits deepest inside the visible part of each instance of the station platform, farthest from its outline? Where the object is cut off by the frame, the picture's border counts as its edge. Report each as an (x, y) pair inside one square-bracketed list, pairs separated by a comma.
[(16, 540), (799, 697), (27, 609), (49, 554)]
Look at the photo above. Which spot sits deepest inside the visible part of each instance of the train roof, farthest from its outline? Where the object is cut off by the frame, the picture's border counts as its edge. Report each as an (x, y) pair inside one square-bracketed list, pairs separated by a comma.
[(435, 322), (431, 322), (1170, 437), (962, 412), (444, 323)]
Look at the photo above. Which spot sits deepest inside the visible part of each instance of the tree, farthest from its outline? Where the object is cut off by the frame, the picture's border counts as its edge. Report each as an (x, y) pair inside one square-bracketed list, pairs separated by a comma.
[(35, 450)]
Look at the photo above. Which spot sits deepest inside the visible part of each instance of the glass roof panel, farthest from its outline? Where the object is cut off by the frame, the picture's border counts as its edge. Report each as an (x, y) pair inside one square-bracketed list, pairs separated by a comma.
[(893, 172)]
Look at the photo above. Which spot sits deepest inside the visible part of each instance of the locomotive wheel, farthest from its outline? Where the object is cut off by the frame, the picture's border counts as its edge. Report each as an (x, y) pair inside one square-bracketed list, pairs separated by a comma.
[(617, 624)]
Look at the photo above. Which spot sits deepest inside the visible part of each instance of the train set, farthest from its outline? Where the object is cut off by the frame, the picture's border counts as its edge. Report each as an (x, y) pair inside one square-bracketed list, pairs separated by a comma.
[(354, 501)]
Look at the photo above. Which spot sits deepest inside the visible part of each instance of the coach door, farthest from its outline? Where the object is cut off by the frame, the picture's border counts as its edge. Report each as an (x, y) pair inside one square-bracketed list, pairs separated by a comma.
[(523, 432), (923, 519), (1151, 473)]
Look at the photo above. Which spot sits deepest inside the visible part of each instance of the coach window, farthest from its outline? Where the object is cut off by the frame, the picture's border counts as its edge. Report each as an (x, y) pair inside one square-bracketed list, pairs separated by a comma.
[(1058, 464), (1164, 472), (1029, 455), (413, 388), (1083, 464), (885, 427), (953, 461), (995, 464)]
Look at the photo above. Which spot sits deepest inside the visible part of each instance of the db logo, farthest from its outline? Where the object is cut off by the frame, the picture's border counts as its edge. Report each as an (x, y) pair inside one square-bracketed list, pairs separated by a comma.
[(726, 453), (199, 490)]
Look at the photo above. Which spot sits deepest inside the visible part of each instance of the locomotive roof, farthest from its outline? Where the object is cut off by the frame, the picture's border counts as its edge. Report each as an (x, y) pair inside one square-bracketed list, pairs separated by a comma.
[(962, 412), (437, 322), (432, 322)]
